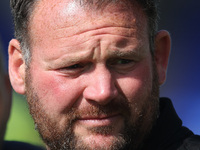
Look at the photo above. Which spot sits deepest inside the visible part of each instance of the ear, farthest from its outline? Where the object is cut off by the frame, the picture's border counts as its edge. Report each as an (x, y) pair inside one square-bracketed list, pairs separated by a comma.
[(16, 67), (161, 54)]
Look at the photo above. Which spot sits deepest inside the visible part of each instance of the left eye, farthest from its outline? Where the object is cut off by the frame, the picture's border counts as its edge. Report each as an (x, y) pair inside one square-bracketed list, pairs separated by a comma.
[(122, 65), (123, 61)]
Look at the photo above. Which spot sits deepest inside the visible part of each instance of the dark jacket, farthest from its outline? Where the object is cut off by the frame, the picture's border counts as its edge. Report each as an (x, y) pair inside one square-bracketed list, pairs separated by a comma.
[(13, 145), (169, 134)]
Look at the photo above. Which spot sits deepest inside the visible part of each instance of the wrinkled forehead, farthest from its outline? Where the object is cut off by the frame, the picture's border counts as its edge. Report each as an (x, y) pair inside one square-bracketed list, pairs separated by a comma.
[(73, 12), (62, 19), (72, 7)]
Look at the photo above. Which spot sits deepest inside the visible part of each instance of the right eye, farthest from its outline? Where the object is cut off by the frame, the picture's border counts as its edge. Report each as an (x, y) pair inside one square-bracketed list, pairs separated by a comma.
[(73, 70), (73, 67)]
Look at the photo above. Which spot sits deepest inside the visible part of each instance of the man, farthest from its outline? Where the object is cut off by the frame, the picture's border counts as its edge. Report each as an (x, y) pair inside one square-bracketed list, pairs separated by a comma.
[(91, 72)]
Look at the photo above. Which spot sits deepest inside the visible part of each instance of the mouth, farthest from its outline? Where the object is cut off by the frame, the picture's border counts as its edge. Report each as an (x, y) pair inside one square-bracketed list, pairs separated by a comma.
[(94, 121)]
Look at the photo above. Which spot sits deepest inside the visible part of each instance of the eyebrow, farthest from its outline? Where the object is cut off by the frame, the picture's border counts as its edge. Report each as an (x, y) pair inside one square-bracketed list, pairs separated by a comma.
[(134, 53), (123, 53), (70, 59)]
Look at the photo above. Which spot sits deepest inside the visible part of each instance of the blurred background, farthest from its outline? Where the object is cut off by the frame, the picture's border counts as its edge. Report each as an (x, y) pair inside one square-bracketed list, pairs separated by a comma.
[(182, 20)]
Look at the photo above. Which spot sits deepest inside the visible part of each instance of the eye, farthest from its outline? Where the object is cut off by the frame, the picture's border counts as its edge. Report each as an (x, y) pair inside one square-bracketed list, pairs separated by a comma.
[(122, 65), (123, 61), (75, 70), (73, 67), (72, 71), (116, 62)]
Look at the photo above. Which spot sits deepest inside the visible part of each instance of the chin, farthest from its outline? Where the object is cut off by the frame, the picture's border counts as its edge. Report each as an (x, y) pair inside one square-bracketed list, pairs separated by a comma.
[(98, 141)]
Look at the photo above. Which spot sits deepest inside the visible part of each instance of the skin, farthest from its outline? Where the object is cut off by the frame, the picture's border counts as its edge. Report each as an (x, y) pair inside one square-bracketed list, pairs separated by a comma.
[(89, 60), (5, 104)]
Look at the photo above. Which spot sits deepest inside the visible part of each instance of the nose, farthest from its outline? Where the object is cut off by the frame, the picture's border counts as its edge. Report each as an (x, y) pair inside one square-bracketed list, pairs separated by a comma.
[(101, 86)]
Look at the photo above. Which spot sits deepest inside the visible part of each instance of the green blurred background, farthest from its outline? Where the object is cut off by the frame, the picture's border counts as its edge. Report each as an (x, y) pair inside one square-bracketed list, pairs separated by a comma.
[(20, 125)]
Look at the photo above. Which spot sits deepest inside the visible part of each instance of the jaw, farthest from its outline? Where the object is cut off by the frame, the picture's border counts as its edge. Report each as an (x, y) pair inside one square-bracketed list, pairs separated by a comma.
[(98, 141), (99, 133)]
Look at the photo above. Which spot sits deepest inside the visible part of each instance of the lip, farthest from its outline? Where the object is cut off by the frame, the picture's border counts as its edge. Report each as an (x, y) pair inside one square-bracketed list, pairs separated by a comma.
[(92, 121)]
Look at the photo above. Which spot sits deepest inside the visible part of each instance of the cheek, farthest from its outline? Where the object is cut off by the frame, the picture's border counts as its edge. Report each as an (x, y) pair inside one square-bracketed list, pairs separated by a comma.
[(57, 91), (138, 83)]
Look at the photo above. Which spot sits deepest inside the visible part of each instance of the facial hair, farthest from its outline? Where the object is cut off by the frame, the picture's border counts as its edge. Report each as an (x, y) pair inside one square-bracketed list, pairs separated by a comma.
[(138, 121)]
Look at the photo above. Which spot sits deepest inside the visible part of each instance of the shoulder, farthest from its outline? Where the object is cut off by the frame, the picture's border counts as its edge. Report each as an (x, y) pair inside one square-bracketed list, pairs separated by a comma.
[(14, 145), (191, 143)]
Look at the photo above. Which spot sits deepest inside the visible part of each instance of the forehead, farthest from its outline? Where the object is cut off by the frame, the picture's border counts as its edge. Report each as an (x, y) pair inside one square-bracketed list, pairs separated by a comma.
[(51, 15)]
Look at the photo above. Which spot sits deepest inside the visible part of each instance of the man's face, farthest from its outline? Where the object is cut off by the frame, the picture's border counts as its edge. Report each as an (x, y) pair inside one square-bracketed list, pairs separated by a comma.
[(91, 82)]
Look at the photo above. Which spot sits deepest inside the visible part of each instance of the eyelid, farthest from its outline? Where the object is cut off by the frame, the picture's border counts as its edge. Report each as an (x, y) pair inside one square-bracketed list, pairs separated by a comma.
[(116, 60), (72, 67), (74, 72), (75, 66), (122, 68)]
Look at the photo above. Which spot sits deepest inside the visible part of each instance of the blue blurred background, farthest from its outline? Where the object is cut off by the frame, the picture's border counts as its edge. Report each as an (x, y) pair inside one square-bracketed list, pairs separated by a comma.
[(182, 20)]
